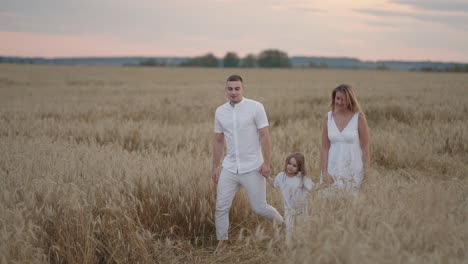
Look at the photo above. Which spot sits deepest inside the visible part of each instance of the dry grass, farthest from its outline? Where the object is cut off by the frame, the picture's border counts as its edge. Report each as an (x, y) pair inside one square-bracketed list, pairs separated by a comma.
[(112, 165)]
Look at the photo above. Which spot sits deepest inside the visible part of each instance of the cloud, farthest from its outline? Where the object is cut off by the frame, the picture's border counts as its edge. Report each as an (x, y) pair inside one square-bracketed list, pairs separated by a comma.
[(453, 20), (191, 28), (436, 5), (295, 8), (308, 10), (382, 12), (49, 45), (386, 25)]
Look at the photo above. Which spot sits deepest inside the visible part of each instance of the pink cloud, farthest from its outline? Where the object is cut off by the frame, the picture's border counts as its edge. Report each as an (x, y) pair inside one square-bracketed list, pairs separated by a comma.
[(412, 54), (47, 45), (27, 44)]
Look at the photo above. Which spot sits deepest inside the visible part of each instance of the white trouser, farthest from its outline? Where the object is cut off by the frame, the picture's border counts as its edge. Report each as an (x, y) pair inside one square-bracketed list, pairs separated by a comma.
[(290, 220), (254, 184)]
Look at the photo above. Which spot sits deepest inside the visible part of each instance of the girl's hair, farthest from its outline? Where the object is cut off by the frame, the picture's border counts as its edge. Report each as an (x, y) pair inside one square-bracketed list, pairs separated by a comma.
[(351, 98), (300, 161)]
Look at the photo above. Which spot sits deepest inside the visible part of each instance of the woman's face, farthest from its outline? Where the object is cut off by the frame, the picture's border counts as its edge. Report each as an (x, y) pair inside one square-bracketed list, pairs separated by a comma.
[(341, 102)]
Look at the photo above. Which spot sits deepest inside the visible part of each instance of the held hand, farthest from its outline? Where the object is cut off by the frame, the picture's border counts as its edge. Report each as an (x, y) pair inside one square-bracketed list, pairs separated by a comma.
[(327, 178), (265, 170), (215, 175)]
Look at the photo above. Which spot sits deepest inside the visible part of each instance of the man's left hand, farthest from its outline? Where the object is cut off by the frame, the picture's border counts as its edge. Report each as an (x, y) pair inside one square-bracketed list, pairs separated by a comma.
[(265, 170)]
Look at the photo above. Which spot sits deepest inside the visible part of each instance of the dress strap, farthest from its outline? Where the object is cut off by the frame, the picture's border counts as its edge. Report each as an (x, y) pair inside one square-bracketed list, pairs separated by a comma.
[(356, 116)]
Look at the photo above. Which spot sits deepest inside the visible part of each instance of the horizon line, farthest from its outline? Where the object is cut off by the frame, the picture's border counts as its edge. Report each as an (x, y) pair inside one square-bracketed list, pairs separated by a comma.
[(146, 56)]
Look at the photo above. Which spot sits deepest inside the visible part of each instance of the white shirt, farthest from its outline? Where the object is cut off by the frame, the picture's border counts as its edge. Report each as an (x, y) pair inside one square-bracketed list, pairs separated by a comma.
[(240, 124), (294, 191)]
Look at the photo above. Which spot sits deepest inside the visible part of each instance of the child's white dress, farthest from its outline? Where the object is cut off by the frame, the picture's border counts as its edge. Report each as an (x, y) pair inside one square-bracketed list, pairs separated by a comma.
[(295, 192)]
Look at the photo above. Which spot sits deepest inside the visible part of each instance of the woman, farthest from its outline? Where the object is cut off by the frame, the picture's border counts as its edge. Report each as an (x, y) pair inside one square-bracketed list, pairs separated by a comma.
[(345, 137)]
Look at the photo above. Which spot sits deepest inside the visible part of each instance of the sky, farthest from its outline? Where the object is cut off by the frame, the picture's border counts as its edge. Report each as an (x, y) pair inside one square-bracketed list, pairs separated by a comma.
[(435, 30)]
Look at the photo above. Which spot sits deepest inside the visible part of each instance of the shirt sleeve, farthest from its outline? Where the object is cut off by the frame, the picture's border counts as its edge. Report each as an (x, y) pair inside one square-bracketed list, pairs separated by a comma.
[(261, 119), (278, 181), (308, 183), (217, 125)]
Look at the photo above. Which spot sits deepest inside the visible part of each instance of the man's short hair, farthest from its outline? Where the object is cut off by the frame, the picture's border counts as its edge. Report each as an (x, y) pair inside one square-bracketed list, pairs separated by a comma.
[(234, 78)]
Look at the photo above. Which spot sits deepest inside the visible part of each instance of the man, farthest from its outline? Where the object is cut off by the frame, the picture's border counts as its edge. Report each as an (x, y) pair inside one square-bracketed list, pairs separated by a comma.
[(242, 124)]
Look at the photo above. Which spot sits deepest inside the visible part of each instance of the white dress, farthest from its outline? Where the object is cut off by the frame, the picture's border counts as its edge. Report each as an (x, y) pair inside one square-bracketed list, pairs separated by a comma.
[(295, 192), (344, 156)]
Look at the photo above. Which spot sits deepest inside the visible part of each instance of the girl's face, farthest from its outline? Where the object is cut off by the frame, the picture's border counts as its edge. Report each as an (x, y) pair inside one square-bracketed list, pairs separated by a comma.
[(341, 102), (292, 167)]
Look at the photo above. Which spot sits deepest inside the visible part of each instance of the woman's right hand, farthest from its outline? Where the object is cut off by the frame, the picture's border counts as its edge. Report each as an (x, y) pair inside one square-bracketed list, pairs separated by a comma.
[(327, 178)]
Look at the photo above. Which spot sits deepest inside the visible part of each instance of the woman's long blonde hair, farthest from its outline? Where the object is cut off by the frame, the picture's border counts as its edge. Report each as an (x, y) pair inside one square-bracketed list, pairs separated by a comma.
[(351, 98)]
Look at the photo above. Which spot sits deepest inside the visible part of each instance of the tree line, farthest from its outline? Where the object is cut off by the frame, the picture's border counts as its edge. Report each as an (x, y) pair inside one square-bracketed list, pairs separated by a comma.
[(270, 58), (454, 68), (20, 61)]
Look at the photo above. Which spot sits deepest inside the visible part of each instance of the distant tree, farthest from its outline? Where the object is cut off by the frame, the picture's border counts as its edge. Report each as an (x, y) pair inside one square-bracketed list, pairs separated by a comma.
[(381, 67), (186, 63), (231, 60), (153, 62), (457, 68), (208, 60), (323, 65), (273, 58), (149, 62), (312, 64), (427, 69), (1, 59), (249, 61)]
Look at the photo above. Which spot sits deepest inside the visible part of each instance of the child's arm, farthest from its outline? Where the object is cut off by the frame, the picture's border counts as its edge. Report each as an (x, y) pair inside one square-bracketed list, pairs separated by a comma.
[(275, 183), (270, 181), (310, 185)]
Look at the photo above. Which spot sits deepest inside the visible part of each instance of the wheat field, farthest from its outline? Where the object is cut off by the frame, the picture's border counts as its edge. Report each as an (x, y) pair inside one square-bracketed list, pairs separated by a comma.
[(112, 165)]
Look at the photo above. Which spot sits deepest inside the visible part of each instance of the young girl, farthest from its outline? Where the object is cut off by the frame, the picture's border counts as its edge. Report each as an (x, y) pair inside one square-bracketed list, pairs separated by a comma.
[(294, 187)]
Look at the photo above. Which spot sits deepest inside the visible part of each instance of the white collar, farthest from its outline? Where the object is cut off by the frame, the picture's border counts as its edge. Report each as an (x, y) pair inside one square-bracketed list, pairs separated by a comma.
[(239, 103)]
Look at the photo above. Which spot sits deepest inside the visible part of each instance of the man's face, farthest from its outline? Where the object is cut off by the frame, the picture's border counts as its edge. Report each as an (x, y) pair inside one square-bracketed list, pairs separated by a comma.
[(234, 91)]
